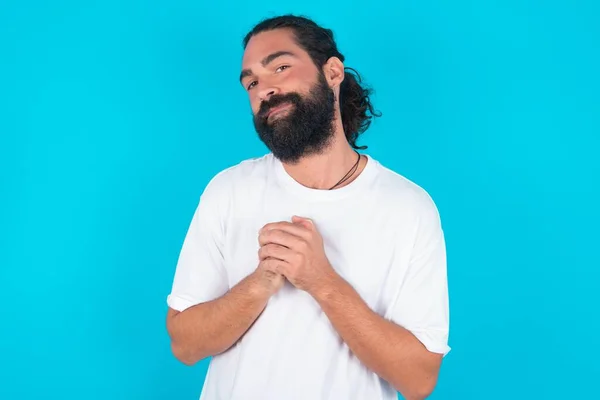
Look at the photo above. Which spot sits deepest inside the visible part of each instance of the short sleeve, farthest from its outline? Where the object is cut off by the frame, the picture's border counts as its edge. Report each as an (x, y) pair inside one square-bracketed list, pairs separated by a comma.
[(422, 305), (200, 274)]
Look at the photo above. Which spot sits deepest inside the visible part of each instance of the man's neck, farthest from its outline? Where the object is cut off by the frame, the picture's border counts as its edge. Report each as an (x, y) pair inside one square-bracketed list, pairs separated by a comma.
[(322, 171)]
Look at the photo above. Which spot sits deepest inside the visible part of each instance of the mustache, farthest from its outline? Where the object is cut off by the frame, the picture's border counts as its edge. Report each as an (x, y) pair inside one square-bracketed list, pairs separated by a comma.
[(275, 101)]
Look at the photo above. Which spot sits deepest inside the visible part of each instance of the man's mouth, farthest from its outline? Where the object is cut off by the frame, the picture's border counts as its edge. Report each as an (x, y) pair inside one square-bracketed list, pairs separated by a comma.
[(277, 109)]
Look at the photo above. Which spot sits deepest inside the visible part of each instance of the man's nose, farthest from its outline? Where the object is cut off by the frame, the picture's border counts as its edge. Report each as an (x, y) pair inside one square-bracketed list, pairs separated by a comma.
[(266, 93)]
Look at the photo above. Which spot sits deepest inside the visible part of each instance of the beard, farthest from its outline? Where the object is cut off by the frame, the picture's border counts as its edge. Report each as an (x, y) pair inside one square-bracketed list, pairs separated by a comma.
[(305, 128)]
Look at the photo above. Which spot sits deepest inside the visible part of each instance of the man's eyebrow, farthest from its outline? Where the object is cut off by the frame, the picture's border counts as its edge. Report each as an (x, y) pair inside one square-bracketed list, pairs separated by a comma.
[(267, 60)]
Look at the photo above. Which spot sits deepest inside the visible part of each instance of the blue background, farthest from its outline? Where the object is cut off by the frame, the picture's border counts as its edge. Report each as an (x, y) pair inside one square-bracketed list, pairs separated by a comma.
[(115, 114)]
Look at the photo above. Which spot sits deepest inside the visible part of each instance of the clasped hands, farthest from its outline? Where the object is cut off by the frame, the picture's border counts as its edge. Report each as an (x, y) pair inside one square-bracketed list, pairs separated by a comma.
[(294, 250)]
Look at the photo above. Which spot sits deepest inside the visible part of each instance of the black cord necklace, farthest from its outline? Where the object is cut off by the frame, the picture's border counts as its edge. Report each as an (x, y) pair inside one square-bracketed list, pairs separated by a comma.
[(348, 174)]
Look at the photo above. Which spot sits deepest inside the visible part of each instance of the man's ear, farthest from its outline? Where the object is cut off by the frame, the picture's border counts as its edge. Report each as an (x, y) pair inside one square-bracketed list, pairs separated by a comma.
[(334, 72)]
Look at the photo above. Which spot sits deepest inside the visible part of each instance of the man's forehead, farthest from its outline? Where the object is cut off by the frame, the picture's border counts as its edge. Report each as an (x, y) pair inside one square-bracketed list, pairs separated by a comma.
[(265, 43)]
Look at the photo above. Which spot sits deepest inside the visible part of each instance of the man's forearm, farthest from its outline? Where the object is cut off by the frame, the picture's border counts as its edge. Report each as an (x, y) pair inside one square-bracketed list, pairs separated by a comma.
[(389, 350), (210, 328)]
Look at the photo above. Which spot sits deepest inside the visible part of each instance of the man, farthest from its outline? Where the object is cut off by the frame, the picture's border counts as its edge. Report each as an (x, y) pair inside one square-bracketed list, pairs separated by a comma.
[(312, 272)]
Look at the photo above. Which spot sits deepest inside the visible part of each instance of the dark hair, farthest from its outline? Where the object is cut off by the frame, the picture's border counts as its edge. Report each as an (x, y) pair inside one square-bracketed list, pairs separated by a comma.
[(355, 105)]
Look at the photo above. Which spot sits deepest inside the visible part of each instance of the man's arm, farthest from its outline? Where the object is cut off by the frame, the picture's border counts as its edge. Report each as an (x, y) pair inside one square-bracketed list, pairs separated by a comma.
[(212, 327), (386, 348), (206, 316)]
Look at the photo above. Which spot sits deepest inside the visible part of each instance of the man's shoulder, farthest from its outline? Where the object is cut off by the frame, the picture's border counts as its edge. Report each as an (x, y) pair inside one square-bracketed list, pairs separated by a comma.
[(243, 173), (400, 190)]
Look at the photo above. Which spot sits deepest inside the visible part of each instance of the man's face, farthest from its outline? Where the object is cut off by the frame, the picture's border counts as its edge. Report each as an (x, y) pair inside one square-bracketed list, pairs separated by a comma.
[(292, 104)]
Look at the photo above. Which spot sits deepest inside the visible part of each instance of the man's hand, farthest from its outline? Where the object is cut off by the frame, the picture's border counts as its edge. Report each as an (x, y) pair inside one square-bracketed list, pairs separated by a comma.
[(268, 280), (295, 250)]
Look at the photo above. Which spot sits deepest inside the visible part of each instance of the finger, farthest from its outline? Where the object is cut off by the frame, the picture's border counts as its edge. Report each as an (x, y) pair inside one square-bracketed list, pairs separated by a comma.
[(275, 251), (277, 236), (305, 222), (269, 264), (276, 266), (289, 227)]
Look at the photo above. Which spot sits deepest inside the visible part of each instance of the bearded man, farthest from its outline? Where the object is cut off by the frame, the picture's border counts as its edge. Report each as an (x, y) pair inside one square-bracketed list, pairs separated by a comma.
[(312, 272)]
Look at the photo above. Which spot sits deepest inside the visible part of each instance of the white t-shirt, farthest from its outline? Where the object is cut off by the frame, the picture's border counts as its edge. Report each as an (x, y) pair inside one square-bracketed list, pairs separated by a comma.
[(381, 233)]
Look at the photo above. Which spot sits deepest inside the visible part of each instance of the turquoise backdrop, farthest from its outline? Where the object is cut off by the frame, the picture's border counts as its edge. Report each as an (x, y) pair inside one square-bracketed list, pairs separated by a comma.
[(114, 115)]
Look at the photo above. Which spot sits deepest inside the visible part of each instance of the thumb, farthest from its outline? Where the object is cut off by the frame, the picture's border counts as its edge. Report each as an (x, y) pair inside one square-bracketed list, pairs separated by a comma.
[(307, 222)]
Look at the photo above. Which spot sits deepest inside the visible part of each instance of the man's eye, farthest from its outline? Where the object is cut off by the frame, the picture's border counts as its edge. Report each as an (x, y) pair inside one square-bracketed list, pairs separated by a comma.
[(282, 68), (251, 85)]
